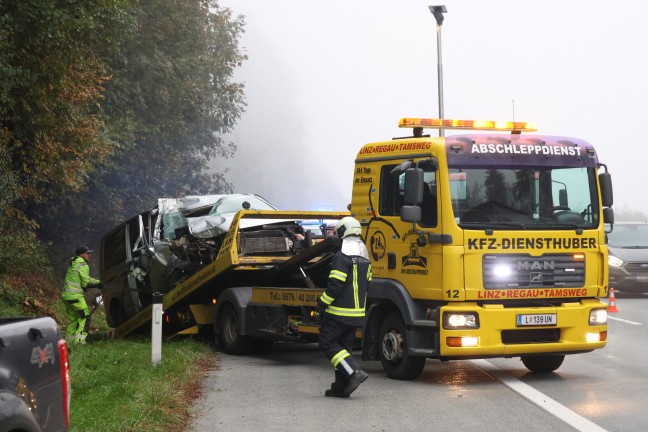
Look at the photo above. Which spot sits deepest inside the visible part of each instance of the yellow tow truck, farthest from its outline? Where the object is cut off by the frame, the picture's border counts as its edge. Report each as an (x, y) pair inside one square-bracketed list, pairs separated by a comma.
[(483, 245)]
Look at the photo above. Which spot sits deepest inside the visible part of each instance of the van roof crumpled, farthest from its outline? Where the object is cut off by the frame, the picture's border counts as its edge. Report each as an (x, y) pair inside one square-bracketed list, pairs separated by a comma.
[(207, 216)]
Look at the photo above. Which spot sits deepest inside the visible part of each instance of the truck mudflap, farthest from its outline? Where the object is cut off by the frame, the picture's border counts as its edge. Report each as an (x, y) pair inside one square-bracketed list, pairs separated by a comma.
[(516, 331)]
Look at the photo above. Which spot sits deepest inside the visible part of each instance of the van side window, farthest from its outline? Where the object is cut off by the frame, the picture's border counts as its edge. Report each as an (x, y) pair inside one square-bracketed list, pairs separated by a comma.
[(114, 252)]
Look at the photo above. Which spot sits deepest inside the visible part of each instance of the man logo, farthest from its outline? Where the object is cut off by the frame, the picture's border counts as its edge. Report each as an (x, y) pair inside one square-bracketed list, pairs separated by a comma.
[(536, 265), (535, 277)]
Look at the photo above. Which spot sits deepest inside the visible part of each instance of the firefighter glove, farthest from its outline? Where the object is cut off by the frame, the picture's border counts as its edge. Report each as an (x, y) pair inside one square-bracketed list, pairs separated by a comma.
[(337, 243), (97, 301), (321, 307)]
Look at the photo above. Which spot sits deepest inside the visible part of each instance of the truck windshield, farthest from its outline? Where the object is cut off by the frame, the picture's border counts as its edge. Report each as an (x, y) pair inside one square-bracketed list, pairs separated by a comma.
[(527, 198)]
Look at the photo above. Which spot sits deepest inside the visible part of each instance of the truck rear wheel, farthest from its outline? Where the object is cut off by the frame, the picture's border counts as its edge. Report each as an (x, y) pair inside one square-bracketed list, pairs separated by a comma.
[(393, 350), (230, 332), (543, 364)]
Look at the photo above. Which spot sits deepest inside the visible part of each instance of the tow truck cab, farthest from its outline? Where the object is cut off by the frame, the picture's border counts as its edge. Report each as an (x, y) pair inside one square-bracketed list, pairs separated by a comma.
[(482, 245)]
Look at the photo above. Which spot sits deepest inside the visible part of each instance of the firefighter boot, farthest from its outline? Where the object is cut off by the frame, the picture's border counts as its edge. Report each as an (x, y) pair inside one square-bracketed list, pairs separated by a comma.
[(355, 380), (337, 387)]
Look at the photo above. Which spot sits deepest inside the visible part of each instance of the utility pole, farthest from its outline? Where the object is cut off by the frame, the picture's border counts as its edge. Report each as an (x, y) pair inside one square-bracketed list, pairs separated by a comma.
[(438, 12)]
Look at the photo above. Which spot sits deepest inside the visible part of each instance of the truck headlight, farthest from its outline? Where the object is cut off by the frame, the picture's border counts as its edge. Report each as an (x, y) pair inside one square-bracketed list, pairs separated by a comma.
[(598, 317), (502, 271), (460, 320), (614, 261)]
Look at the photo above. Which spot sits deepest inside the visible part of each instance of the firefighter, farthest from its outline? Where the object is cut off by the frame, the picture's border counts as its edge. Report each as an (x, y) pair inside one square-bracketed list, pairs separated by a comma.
[(342, 307), (77, 280)]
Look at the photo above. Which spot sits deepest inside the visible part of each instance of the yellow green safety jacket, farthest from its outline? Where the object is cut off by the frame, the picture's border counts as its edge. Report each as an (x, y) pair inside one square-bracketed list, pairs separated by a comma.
[(77, 278), (346, 292)]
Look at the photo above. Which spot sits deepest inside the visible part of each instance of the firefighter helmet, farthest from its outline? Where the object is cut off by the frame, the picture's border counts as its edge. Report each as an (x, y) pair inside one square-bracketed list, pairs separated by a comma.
[(347, 226)]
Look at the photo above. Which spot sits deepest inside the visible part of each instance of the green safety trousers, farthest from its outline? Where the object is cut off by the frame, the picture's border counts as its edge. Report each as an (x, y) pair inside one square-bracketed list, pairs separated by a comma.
[(77, 313)]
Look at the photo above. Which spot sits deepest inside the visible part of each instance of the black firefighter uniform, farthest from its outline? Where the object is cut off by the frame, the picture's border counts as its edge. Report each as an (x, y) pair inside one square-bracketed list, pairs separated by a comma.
[(343, 302)]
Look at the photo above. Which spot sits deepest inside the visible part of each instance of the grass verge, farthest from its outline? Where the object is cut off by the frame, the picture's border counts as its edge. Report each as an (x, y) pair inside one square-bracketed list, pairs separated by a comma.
[(116, 388), (114, 385)]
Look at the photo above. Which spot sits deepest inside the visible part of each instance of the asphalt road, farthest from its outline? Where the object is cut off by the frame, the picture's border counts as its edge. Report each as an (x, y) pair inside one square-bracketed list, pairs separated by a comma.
[(606, 390)]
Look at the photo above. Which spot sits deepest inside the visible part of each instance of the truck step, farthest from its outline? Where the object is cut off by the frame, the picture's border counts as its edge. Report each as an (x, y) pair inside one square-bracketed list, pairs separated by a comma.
[(424, 323)]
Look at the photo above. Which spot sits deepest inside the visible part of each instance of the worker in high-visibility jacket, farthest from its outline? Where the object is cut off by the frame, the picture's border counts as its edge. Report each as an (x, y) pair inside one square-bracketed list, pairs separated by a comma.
[(77, 280), (341, 307)]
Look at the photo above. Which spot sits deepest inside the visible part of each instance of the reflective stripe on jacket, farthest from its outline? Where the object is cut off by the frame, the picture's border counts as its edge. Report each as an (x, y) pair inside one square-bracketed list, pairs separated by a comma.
[(77, 277), (346, 291)]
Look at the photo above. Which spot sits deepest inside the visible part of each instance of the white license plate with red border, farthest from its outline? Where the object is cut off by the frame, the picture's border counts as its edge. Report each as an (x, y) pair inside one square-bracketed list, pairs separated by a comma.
[(536, 320)]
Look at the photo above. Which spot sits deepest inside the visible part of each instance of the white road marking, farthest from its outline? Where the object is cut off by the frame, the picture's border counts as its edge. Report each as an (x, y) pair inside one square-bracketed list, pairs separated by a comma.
[(540, 399), (624, 320)]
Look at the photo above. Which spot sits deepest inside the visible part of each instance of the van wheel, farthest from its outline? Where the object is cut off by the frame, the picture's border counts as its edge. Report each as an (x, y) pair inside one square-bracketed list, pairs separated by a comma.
[(393, 350), (230, 332), (543, 364), (117, 314)]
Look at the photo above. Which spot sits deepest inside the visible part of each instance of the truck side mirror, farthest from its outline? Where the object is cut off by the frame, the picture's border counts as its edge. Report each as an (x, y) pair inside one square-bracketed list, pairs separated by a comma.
[(562, 198), (413, 187), (411, 213), (608, 215), (605, 180)]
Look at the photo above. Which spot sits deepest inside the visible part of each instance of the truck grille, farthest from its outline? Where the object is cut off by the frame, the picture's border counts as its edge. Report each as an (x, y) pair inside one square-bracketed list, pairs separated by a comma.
[(526, 271)]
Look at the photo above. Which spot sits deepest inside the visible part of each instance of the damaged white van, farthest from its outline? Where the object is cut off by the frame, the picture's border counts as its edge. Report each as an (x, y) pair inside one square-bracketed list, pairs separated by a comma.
[(159, 248)]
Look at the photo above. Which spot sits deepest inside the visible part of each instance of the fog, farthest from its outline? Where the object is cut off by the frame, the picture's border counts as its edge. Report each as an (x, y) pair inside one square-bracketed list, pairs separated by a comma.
[(324, 78)]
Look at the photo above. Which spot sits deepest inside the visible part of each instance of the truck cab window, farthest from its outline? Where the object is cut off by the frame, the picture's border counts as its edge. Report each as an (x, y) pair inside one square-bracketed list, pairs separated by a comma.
[(544, 198), (392, 195), (429, 206), (391, 191)]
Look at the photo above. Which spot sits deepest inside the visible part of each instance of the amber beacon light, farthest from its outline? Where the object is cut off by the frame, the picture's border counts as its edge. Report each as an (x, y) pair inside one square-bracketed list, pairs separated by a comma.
[(409, 122)]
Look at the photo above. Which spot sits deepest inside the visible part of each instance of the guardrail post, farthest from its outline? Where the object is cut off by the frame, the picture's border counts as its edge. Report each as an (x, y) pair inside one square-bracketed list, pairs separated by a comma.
[(156, 329)]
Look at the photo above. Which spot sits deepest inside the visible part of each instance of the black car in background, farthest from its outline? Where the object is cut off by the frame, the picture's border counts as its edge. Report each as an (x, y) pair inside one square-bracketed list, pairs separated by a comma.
[(628, 257)]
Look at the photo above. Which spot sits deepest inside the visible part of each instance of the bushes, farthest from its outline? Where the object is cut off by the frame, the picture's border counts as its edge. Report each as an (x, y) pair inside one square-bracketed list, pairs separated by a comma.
[(31, 294)]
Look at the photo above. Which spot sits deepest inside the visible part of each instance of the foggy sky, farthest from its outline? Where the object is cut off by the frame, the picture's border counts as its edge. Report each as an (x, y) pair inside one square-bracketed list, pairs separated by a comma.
[(324, 78)]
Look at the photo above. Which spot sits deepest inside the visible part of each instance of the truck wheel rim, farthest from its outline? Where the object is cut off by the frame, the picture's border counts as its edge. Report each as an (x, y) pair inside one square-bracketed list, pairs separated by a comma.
[(392, 346), (231, 330)]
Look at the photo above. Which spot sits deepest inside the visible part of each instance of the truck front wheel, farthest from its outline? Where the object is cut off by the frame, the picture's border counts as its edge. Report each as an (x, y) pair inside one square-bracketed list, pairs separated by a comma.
[(230, 332), (393, 350), (544, 363)]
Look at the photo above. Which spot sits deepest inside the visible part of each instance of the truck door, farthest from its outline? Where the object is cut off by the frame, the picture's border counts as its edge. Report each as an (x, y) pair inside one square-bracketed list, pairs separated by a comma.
[(409, 256)]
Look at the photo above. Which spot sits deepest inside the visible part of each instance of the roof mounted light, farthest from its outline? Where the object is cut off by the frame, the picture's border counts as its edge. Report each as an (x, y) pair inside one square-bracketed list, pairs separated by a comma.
[(467, 124)]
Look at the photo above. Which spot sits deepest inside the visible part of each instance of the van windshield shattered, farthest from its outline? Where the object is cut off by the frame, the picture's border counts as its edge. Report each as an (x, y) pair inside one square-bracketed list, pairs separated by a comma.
[(234, 203), (524, 198)]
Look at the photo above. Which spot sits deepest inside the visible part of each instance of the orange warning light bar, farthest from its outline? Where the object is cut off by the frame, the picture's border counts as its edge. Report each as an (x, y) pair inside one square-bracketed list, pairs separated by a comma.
[(467, 124)]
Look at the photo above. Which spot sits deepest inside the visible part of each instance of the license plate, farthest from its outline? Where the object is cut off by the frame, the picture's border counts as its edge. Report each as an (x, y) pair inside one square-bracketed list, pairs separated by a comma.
[(536, 320)]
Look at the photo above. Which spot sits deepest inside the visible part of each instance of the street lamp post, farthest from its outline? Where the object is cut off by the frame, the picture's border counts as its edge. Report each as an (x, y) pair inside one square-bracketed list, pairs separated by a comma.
[(438, 12)]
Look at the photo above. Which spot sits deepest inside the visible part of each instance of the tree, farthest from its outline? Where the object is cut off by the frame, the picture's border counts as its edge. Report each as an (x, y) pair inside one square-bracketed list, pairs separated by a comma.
[(169, 101), (52, 77), (627, 214), (17, 241), (52, 82)]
